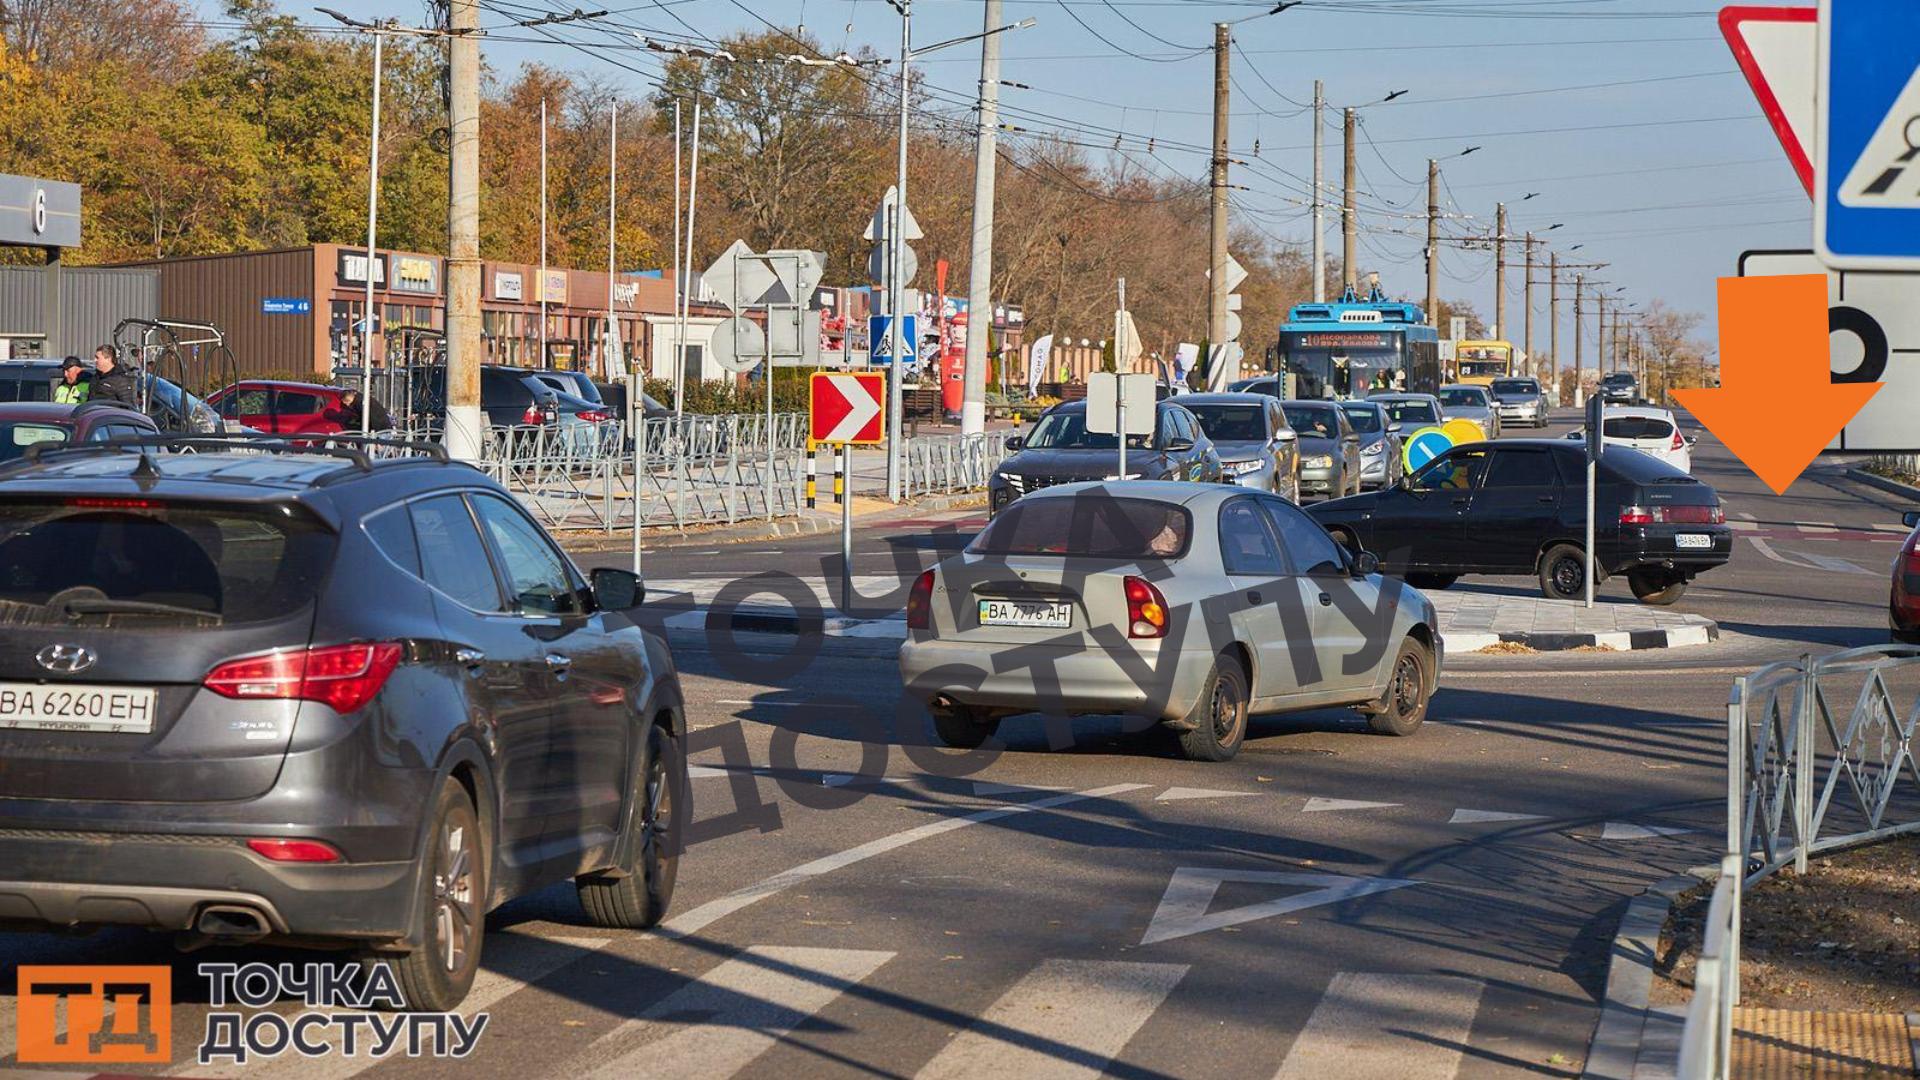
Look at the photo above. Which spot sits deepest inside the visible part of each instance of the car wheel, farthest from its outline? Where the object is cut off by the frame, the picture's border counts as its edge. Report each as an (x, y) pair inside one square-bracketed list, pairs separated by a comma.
[(1901, 634), (1402, 707), (962, 727), (1651, 588), (1432, 581), (1563, 572), (1219, 717), (452, 904), (636, 896)]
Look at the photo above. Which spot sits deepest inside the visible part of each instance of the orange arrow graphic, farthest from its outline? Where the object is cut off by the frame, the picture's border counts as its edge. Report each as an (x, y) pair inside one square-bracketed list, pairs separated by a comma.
[(1777, 405)]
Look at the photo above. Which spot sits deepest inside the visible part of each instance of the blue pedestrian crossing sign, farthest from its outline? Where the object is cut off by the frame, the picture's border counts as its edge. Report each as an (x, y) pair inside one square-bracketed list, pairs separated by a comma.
[(1866, 212), (880, 338)]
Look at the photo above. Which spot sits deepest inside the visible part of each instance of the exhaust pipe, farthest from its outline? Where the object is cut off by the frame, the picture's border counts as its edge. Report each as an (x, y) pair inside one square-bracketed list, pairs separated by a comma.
[(228, 921)]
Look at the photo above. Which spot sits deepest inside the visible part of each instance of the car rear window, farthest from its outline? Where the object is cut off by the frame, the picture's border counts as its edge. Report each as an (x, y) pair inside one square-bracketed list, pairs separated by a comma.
[(1093, 524), (16, 438), (1636, 427), (1515, 386), (134, 561), (1232, 423)]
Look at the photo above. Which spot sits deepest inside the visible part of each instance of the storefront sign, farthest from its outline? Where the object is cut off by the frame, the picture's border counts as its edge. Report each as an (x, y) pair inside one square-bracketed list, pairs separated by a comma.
[(556, 287), (626, 292), (285, 305), (352, 268), (415, 274), (39, 213), (506, 286)]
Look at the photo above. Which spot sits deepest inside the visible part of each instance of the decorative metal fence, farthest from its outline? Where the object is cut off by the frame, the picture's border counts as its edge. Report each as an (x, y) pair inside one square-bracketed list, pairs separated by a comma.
[(943, 464), (1820, 755)]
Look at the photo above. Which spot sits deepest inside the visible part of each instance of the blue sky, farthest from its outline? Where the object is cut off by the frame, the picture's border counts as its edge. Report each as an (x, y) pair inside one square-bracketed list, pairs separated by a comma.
[(1642, 139)]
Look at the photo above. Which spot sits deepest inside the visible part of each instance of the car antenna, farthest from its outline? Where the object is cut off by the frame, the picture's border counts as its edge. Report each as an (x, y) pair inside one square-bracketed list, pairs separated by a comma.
[(147, 471)]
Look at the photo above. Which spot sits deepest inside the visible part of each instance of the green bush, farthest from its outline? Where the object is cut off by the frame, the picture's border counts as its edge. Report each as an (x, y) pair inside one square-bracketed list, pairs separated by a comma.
[(718, 397)]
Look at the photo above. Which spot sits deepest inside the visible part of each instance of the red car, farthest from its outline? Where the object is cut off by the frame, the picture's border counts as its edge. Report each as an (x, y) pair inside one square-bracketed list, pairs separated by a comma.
[(1903, 600), (28, 423), (281, 408)]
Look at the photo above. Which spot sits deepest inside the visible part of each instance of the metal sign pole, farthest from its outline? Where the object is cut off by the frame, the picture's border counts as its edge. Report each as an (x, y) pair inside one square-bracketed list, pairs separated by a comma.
[(1592, 467), (1120, 424), (373, 213), (846, 528)]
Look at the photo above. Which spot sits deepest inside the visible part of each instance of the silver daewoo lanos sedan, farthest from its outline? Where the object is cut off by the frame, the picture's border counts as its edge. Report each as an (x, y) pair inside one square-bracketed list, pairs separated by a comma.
[(1193, 605)]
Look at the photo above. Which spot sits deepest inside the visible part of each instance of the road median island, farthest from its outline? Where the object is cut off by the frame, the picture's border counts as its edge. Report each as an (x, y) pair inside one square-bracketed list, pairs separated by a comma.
[(1470, 622)]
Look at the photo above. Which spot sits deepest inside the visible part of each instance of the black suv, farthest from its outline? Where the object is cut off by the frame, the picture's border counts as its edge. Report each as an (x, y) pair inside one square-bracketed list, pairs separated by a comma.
[(1060, 450), (268, 691)]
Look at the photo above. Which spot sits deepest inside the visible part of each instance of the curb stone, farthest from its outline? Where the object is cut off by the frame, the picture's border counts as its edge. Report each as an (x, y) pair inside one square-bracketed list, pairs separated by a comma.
[(1621, 1031), (1884, 484), (1618, 641)]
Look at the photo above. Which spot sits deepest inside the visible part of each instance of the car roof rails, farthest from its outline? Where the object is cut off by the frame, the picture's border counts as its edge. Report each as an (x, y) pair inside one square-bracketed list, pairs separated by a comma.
[(354, 450)]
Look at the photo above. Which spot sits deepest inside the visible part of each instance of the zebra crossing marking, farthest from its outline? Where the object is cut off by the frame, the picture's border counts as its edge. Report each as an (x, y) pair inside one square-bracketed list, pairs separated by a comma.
[(1065, 1020), (1183, 907), (1385, 1027)]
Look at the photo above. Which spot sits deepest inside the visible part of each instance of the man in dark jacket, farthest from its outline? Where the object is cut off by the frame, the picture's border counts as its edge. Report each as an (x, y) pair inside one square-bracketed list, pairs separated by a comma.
[(348, 414), (111, 382)]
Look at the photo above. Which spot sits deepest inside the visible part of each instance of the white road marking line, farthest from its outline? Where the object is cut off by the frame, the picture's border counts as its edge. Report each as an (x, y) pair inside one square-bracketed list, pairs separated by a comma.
[(859, 780), (1743, 524), (1385, 1027), (1818, 526), (1081, 1012), (1183, 907), (699, 918), (1627, 830), (1746, 515), (770, 704), (1176, 794), (1474, 817), (702, 772), (1317, 806), (987, 788), (1807, 561), (734, 1014), (509, 962)]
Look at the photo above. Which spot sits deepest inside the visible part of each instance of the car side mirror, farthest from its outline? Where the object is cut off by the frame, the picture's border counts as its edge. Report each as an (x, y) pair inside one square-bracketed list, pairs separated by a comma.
[(1692, 441), (1364, 563), (615, 589), (1175, 445), (1287, 435), (1910, 518), (1015, 442), (1395, 428)]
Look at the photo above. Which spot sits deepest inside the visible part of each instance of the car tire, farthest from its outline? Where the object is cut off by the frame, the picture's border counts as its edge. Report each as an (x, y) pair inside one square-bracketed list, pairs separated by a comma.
[(962, 727), (1902, 634), (1563, 572), (637, 897), (1436, 582), (1219, 716), (452, 903), (1658, 589), (1402, 706)]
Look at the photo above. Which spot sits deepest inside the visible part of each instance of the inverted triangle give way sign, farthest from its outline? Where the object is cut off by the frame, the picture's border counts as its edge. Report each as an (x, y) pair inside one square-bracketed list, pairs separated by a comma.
[(1778, 50), (845, 407)]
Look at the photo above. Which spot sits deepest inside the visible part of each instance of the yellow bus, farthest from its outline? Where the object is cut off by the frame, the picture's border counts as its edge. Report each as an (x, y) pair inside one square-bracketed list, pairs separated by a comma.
[(1481, 362)]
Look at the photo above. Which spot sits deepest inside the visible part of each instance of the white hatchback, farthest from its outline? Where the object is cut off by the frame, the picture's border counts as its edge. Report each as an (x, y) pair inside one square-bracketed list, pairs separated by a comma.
[(1653, 432)]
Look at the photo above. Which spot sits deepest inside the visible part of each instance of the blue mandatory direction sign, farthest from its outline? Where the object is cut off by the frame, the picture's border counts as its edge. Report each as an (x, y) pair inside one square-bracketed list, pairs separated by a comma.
[(880, 340), (1423, 446), (1866, 197)]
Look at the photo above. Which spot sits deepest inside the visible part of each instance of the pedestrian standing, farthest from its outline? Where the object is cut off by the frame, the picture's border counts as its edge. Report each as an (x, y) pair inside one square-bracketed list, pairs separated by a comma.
[(71, 389), (112, 382)]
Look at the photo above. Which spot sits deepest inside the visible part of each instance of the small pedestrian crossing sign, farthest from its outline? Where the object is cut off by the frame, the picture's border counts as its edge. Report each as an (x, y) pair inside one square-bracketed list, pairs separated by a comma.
[(1867, 156)]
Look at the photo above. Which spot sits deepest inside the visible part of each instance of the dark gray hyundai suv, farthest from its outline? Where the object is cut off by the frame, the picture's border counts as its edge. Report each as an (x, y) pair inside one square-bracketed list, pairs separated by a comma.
[(318, 695)]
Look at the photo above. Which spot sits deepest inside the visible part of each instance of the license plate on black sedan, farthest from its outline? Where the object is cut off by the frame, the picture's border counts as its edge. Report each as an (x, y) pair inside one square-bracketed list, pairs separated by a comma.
[(1041, 613), (1693, 542), (109, 710)]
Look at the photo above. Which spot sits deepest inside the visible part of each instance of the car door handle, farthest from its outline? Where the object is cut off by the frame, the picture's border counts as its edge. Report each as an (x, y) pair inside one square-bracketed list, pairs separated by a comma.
[(1462, 500), (558, 664), (1253, 596), (471, 658), (1547, 498), (1326, 600)]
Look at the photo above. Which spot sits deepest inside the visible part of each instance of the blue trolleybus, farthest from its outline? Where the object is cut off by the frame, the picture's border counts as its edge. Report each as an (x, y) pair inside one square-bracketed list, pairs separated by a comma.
[(1354, 347)]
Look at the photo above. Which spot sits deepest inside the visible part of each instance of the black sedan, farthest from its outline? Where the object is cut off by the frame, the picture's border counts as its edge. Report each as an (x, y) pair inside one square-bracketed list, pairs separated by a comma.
[(1060, 450), (1519, 507)]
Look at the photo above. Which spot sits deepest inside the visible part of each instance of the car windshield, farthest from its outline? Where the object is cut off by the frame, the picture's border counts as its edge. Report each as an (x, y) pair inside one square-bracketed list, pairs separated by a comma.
[(1068, 431), (1621, 379), (1412, 412), (1515, 386), (1093, 524), (16, 438), (1468, 396), (1364, 418), (1313, 420), (1635, 427), (1232, 423), (101, 561)]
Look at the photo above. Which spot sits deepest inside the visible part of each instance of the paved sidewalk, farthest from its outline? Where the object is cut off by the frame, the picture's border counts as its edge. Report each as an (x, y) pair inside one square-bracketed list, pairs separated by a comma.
[(1469, 622)]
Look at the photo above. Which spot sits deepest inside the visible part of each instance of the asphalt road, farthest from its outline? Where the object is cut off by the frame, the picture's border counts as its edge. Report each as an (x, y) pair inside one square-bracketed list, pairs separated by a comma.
[(1329, 904)]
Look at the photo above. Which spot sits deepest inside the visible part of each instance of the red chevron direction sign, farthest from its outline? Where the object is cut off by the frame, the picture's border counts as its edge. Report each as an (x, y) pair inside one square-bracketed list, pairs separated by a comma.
[(1777, 48), (844, 407)]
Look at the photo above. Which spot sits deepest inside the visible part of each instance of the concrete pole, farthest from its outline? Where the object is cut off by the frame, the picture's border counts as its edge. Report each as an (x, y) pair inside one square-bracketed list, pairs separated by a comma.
[(1349, 232), (1600, 335), (1579, 290), (373, 215), (1319, 198), (611, 343), (1526, 319), (545, 362), (465, 428), (1433, 243), (1500, 272), (1217, 231), (686, 274), (973, 403), (896, 261), (678, 351), (1553, 320)]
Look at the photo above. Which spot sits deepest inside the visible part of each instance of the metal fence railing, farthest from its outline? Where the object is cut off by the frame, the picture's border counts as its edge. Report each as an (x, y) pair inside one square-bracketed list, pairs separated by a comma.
[(1894, 464), (944, 464), (1820, 756)]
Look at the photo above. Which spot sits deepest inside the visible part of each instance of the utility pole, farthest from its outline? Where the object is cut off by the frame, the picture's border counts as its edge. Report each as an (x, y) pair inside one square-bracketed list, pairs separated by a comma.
[(1433, 243), (1579, 289), (896, 261), (463, 231), (545, 362), (1526, 321), (1348, 233), (1553, 320), (373, 214), (973, 405), (1600, 334), (611, 346), (1319, 198), (1217, 231), (1500, 272)]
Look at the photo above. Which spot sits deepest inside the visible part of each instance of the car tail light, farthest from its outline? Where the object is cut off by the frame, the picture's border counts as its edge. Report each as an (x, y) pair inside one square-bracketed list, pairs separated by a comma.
[(294, 850), (531, 416), (1907, 581), (1146, 609), (1691, 515), (1679, 443), (1635, 515), (594, 416), (94, 502), (342, 677), (920, 603)]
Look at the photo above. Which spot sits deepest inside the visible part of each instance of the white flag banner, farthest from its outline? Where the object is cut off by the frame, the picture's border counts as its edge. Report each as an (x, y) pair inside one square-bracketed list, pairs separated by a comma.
[(1037, 357), (1185, 356)]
